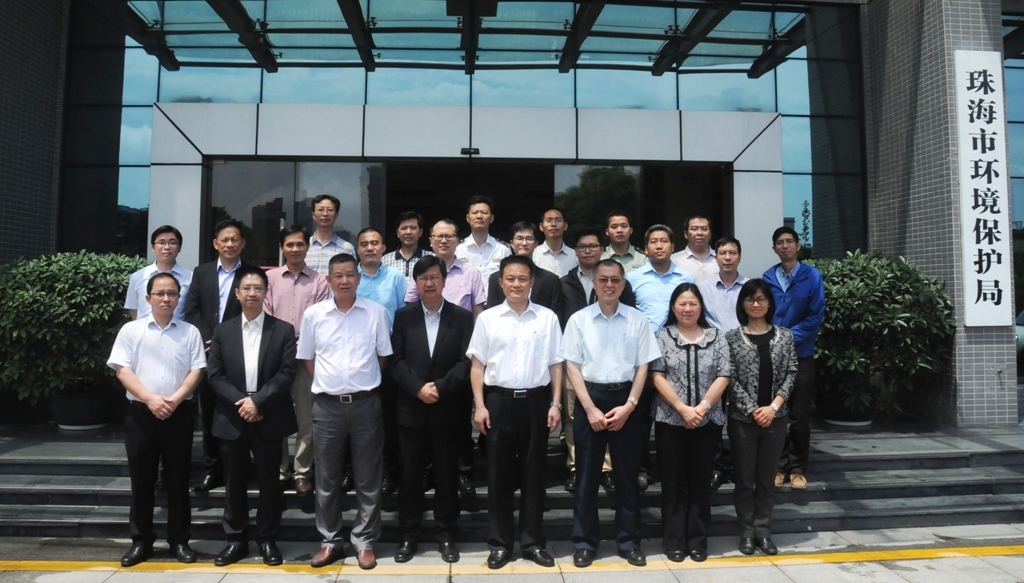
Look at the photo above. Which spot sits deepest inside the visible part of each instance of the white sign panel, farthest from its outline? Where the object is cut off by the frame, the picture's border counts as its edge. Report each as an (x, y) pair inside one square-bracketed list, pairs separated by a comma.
[(986, 235)]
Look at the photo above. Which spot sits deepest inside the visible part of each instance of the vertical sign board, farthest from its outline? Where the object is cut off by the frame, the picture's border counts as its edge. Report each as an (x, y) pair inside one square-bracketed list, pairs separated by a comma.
[(986, 231)]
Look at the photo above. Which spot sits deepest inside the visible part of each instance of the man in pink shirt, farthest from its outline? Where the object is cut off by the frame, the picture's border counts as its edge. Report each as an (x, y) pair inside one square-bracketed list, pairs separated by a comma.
[(292, 288), (464, 286)]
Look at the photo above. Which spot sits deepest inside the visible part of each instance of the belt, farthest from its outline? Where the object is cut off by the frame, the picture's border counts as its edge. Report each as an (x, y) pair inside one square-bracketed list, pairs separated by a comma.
[(349, 397), (516, 393), (623, 386)]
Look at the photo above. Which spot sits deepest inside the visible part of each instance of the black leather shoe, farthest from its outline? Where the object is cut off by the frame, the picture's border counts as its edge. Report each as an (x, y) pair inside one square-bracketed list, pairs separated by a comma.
[(234, 552), (767, 546), (387, 486), (717, 479), (498, 559), (570, 482), (607, 482), (449, 552), (160, 487), (583, 558), (465, 486), (698, 555), (270, 553), (405, 551), (634, 557), (209, 482), (183, 553), (747, 545), (676, 555), (347, 482), (539, 556), (135, 555)]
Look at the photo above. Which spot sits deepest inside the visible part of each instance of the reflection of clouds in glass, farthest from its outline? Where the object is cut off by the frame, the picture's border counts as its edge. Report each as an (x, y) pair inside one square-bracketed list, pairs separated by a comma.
[(794, 96), (140, 77), (726, 92), (315, 85), (211, 85), (133, 187), (796, 188), (240, 186), (135, 144), (1014, 81), (624, 89), (796, 144), (417, 87), (1015, 149), (347, 181), (540, 88), (1017, 194)]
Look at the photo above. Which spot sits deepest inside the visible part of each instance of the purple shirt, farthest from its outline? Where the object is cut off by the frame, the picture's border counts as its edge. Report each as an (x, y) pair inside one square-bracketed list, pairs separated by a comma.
[(288, 296), (463, 287)]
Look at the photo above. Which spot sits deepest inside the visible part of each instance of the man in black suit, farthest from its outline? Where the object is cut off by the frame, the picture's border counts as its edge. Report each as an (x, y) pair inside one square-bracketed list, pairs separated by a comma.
[(547, 291), (211, 300), (251, 370), (431, 370)]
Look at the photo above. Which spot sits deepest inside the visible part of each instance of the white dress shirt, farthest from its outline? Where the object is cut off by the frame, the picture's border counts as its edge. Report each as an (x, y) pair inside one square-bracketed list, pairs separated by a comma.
[(252, 333), (345, 347), (608, 350), (136, 298), (516, 349), (160, 357), (224, 280), (486, 257), (433, 323), (559, 263)]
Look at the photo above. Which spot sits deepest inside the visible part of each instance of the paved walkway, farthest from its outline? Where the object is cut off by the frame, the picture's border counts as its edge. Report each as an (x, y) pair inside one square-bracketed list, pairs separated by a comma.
[(957, 554)]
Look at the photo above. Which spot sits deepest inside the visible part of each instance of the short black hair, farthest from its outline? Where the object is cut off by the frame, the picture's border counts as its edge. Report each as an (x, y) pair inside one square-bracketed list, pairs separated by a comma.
[(408, 216), (784, 231), (247, 270), (523, 226), (517, 260), (369, 230), (749, 288), (160, 275), (426, 262), (617, 213), (682, 288), (659, 227), (338, 259), (726, 240), (289, 231), (162, 230), (322, 197), (480, 199), (227, 224), (686, 226), (610, 263), (590, 233), (558, 210), (448, 222)]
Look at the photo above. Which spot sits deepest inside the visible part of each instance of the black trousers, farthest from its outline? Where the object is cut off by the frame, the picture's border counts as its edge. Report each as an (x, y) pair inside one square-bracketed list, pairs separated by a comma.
[(755, 450), (211, 449), (437, 443), (148, 440), (389, 409), (687, 459), (267, 455), (625, 446), (516, 448), (797, 448)]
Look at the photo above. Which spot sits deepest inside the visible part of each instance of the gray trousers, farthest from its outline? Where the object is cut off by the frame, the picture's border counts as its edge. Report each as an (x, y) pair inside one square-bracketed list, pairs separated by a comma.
[(755, 452), (303, 399), (335, 424)]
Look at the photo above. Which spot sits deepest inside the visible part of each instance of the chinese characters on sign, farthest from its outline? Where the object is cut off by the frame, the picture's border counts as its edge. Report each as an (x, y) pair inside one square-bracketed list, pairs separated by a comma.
[(984, 189)]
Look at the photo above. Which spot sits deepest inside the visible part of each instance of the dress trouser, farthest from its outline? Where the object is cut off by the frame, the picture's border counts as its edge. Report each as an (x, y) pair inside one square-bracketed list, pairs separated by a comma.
[(267, 457), (335, 425), (796, 450), (569, 406), (687, 459), (437, 443), (516, 449), (303, 399), (755, 450), (389, 410), (207, 399), (625, 446), (147, 441)]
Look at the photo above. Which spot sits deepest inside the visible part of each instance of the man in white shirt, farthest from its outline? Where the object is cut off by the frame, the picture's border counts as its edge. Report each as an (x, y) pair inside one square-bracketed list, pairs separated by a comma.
[(344, 345), (553, 254), (516, 376), (166, 244), (698, 258), (325, 243), (480, 249), (159, 360)]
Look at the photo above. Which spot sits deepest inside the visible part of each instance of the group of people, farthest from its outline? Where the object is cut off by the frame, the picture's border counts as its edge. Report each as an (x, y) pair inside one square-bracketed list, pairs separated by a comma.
[(381, 363)]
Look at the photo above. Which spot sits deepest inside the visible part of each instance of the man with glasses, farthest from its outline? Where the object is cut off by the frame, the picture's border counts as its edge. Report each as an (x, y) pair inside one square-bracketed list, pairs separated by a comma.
[(166, 244), (547, 290), (553, 254), (325, 243), (698, 258), (799, 292)]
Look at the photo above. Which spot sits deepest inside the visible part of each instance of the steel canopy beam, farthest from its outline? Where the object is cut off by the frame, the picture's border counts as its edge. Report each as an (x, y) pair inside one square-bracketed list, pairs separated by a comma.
[(122, 16), (239, 22), (356, 23), (700, 26), (582, 24), (775, 54)]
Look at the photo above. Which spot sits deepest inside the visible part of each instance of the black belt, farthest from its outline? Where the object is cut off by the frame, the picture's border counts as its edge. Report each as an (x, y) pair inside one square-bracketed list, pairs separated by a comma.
[(623, 386), (516, 393), (349, 397)]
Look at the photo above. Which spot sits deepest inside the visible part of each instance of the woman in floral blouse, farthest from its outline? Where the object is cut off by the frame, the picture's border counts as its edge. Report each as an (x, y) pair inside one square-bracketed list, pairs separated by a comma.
[(690, 377), (764, 368)]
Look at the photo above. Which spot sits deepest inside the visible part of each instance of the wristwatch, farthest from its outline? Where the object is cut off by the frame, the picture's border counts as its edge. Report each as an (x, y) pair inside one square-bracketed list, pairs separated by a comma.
[(774, 407), (556, 405), (634, 400)]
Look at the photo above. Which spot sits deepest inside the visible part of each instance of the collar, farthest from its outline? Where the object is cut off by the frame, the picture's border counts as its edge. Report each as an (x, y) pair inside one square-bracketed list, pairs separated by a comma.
[(335, 240), (504, 308), (176, 269), (471, 242), (710, 334), (380, 270), (360, 303), (740, 280), (631, 251), (151, 321), (781, 273), (545, 249), (306, 270), (457, 264), (259, 320), (687, 252), (649, 268), (619, 311), (427, 314), (417, 255), (220, 266)]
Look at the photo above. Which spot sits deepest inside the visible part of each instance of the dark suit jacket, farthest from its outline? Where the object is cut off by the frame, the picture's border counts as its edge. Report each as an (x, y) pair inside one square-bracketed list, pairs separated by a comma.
[(225, 369), (574, 299), (412, 366), (203, 299), (546, 290)]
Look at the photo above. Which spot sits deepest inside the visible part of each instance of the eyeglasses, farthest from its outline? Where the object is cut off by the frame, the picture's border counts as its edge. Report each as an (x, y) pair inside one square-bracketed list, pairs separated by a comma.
[(429, 278), (162, 295), (751, 301), (551, 220), (729, 253), (442, 237), (594, 247), (248, 289), (696, 229), (782, 242), (166, 243), (523, 239)]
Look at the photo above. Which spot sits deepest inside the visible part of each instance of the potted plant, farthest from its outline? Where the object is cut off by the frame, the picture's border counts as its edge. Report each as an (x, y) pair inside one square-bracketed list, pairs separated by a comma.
[(59, 315), (887, 326)]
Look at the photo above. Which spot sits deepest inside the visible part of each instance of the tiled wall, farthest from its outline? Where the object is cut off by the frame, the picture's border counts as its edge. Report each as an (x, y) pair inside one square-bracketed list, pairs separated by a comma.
[(911, 156), (33, 48)]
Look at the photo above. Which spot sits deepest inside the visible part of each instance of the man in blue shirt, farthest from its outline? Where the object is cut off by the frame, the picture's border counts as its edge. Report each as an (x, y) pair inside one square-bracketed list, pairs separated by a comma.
[(800, 306)]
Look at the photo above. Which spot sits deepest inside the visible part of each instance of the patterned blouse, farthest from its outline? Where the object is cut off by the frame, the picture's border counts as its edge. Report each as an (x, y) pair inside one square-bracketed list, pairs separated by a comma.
[(746, 370), (690, 369)]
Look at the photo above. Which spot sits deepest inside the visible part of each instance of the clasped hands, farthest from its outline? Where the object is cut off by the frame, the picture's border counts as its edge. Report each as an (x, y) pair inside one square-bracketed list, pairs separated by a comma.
[(613, 420), (247, 410)]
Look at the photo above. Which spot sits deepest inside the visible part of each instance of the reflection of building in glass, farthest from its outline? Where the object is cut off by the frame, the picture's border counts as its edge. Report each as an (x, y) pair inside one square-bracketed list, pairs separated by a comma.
[(267, 221), (132, 230)]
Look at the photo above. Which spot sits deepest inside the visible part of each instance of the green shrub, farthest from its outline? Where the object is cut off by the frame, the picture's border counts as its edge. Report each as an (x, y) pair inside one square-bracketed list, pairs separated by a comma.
[(887, 326), (59, 315)]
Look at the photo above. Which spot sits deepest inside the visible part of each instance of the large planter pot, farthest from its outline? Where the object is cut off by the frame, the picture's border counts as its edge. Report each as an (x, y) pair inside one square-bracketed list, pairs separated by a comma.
[(834, 412), (82, 411)]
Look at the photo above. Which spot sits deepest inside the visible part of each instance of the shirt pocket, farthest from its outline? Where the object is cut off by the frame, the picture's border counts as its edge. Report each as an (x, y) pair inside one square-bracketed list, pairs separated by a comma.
[(627, 349)]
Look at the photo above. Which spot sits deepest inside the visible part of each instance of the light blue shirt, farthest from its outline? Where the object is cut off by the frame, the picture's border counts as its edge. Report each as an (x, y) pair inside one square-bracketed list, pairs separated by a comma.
[(433, 324), (720, 302), (653, 290), (608, 350), (785, 280), (387, 288), (136, 298), (225, 278)]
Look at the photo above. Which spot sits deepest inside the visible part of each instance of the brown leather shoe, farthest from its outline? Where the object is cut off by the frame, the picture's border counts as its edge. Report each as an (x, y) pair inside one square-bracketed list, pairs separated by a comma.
[(366, 559), (302, 486), (326, 556)]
